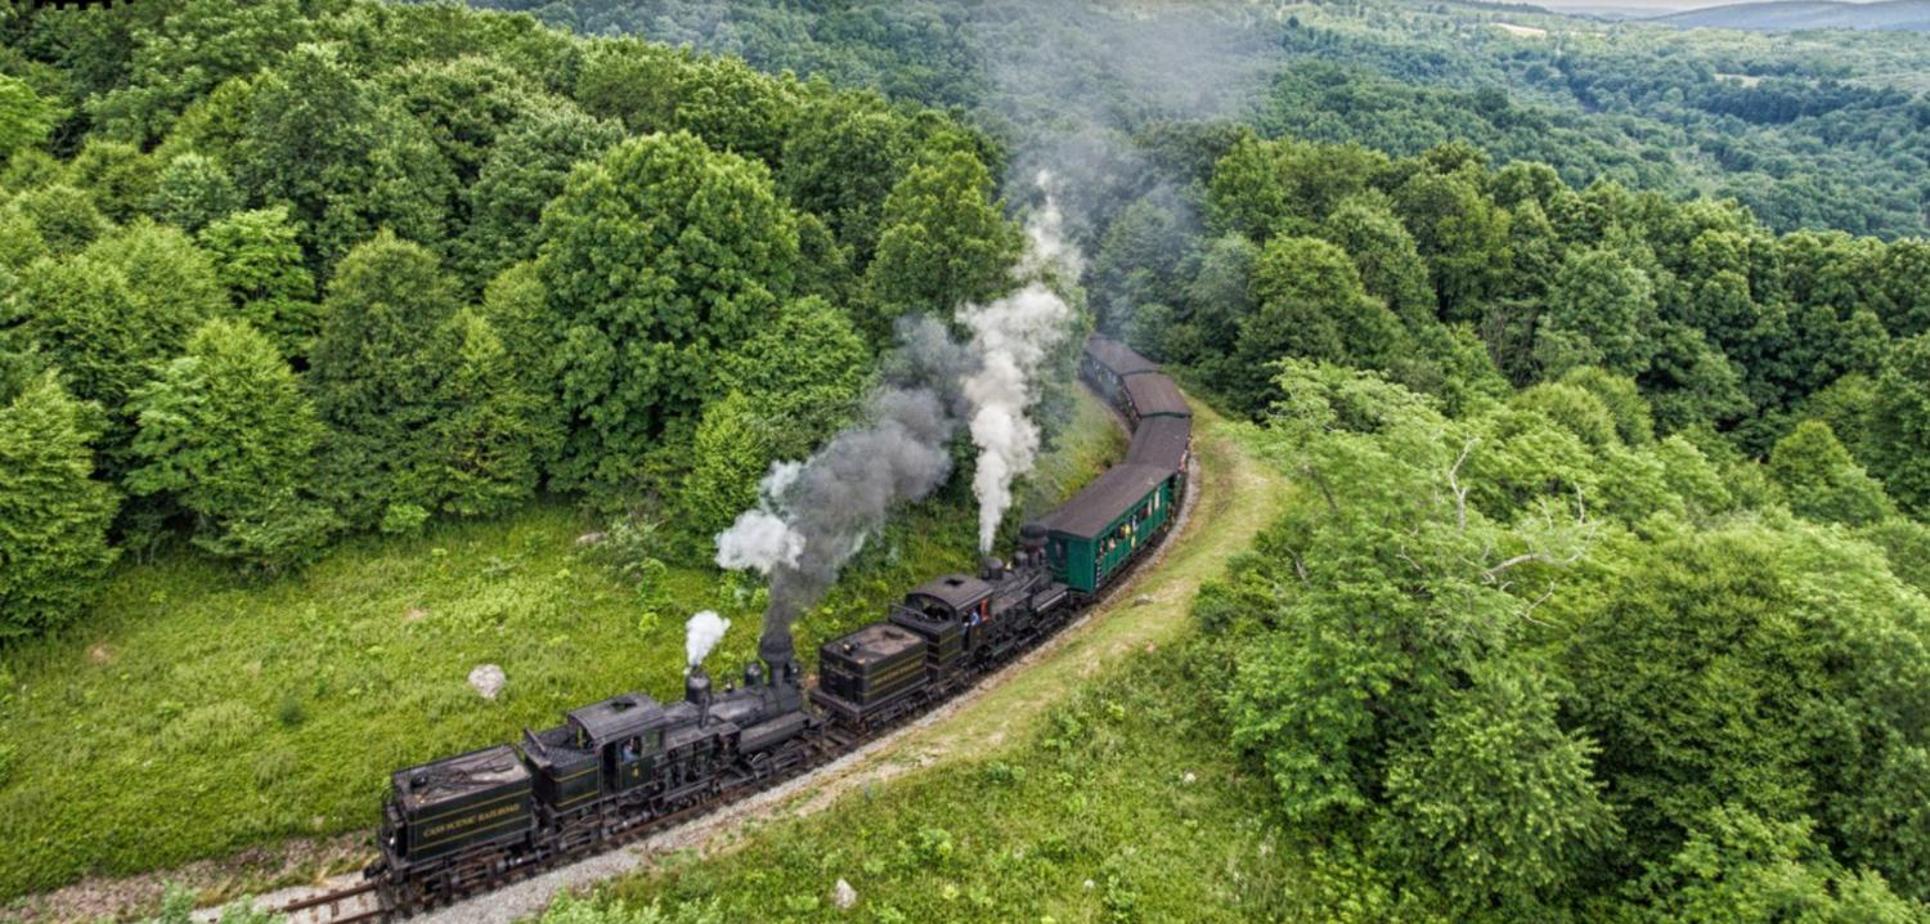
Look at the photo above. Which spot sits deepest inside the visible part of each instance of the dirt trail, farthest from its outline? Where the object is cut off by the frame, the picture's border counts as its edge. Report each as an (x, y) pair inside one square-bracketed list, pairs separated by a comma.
[(1234, 497)]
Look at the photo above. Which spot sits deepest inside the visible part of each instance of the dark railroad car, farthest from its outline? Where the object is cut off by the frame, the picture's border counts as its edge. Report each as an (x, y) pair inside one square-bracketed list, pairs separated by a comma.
[(939, 611), (439, 808), (615, 739), (1162, 442), (1106, 363), (1153, 395), (869, 668), (1117, 357), (1098, 531)]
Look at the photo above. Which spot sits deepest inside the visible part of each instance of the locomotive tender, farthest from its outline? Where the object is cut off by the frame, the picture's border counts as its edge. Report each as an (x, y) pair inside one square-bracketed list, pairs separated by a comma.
[(463, 824)]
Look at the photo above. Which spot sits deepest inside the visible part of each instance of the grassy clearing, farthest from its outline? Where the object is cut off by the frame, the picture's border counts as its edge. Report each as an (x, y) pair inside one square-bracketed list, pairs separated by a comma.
[(1092, 786), (196, 713)]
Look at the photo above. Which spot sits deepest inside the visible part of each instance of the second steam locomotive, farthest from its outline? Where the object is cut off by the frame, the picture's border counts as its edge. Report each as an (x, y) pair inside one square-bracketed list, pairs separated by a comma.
[(628, 764)]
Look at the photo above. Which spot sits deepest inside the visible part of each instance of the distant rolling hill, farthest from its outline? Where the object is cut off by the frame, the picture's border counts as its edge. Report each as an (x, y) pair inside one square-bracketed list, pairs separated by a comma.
[(1790, 15)]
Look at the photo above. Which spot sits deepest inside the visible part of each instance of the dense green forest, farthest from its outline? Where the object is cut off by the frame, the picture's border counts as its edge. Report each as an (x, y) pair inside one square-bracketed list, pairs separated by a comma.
[(276, 272), (1597, 358)]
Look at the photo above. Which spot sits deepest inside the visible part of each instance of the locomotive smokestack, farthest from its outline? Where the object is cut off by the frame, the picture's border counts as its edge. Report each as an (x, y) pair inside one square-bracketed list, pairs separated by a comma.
[(1032, 543), (697, 692), (785, 686), (779, 651)]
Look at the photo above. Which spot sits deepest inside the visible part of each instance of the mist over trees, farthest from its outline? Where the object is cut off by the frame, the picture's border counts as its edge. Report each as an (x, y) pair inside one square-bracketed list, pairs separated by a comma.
[(1819, 130)]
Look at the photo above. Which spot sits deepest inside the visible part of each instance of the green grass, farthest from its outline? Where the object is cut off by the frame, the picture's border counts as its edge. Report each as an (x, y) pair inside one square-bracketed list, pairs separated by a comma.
[(195, 713), (1061, 794)]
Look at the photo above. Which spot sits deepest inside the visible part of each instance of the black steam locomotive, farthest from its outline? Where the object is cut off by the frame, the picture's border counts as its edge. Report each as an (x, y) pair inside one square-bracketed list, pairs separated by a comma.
[(629, 764)]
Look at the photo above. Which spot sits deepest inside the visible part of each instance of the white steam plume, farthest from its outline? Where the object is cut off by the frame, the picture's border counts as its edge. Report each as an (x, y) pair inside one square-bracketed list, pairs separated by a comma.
[(701, 634), (1011, 339), (1045, 231)]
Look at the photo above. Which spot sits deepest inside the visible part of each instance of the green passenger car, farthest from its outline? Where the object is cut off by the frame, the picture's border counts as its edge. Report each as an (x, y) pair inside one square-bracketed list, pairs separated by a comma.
[(1097, 532)]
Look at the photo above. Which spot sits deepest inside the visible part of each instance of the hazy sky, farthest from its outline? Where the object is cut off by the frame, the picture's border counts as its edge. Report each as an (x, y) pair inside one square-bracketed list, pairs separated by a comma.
[(1651, 6)]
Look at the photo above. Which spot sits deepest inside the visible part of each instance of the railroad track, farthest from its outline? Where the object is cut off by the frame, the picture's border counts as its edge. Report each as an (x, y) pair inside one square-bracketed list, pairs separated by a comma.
[(342, 906)]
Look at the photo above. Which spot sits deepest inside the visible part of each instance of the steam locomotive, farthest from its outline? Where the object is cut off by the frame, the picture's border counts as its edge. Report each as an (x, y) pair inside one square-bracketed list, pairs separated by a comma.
[(628, 764)]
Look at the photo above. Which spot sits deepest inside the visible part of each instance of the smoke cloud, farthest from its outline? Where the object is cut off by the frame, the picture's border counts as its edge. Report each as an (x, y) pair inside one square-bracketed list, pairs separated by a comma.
[(813, 516), (761, 539), (1011, 340), (1045, 231), (701, 634)]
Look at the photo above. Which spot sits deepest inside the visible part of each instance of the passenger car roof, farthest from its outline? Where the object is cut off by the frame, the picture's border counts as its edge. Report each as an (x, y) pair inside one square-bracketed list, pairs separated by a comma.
[(1154, 394), (1120, 358), (1105, 499), (1160, 441)]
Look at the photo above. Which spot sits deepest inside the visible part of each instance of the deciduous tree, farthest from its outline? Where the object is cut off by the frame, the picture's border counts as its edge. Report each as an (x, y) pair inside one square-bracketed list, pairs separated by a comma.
[(1599, 313), (520, 174), (488, 427), (1821, 481), (228, 434), (374, 373), (192, 191), (25, 118), (945, 241), (343, 153), (1900, 426), (1309, 304), (658, 259), (53, 513), (258, 260)]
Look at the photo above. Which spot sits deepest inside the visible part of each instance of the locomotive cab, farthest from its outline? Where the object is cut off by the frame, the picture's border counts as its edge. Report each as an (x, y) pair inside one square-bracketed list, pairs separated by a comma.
[(954, 598), (626, 733), (943, 612), (603, 748)]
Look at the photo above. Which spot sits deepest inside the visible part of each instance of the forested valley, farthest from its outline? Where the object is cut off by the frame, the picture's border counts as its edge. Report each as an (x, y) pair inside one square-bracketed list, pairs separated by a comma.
[(1594, 359)]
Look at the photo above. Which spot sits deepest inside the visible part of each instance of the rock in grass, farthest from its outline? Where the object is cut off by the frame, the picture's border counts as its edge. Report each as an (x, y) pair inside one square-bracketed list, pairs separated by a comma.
[(488, 679), (844, 896)]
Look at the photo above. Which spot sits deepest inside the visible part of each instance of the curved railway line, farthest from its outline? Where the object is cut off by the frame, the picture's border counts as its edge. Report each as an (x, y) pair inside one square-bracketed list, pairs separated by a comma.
[(1081, 554)]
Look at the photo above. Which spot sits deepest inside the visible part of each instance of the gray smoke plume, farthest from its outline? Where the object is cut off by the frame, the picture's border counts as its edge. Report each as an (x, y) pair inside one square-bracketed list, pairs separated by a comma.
[(814, 515), (1012, 339)]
